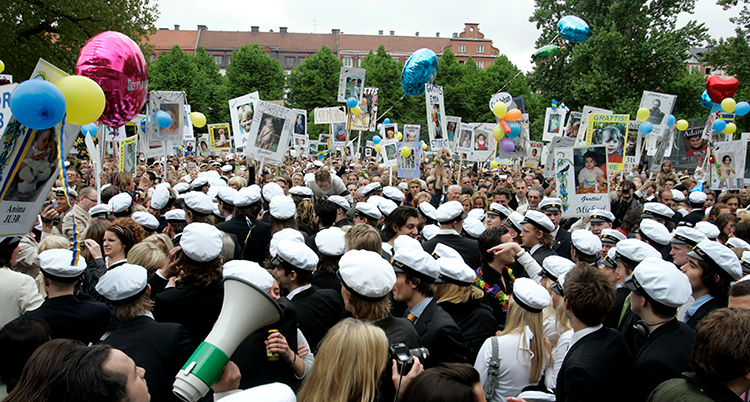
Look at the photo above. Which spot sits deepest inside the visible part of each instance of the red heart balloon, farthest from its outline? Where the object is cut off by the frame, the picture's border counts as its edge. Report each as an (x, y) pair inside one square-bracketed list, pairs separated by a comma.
[(719, 89)]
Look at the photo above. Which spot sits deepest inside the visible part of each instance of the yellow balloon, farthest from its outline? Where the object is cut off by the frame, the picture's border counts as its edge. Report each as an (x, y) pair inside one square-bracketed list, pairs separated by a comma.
[(493, 164), (682, 125), (198, 119), (424, 146), (498, 132), (500, 109), (2, 66), (377, 148), (405, 152), (730, 129), (643, 114), (84, 99), (399, 136), (728, 105), (356, 110)]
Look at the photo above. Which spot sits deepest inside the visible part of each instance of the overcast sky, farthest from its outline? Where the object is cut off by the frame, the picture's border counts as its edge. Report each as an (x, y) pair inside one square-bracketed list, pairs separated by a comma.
[(505, 22)]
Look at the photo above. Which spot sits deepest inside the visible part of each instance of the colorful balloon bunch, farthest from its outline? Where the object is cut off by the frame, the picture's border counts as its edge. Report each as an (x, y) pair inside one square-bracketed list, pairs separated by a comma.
[(507, 126)]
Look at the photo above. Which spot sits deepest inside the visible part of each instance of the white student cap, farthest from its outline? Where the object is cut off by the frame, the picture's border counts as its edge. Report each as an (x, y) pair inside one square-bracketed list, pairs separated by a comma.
[(270, 191), (697, 197), (530, 295), (284, 234), (247, 196), (586, 242), (368, 210), (161, 196), (677, 195), (499, 210), (430, 231), (282, 207), (687, 235), (551, 204), (660, 280), (394, 194), (340, 201), (654, 231), (330, 241), (415, 262), (181, 188), (737, 243), (406, 242), (100, 211), (146, 220), (57, 264), (473, 227), (657, 210), (366, 275), (370, 188), (718, 256), (175, 216), (539, 220), (199, 182), (612, 236), (476, 213), (601, 215), (227, 168), (318, 164), (609, 260), (248, 271), (554, 266), (122, 204), (274, 392), (198, 202), (124, 284), (226, 194), (386, 206), (450, 211), (709, 229), (295, 254), (201, 242), (454, 270), (428, 210), (443, 251), (633, 251), (515, 220), (301, 191)]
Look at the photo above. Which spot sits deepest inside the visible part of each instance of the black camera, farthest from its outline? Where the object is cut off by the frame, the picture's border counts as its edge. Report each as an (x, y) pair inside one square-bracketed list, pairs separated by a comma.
[(403, 356)]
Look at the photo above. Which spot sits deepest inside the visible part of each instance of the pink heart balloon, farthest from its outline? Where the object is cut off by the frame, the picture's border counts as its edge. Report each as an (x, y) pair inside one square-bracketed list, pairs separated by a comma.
[(116, 63), (719, 89)]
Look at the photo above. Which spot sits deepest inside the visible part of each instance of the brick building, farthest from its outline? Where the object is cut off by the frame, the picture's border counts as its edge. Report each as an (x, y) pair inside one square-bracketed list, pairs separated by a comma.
[(291, 48)]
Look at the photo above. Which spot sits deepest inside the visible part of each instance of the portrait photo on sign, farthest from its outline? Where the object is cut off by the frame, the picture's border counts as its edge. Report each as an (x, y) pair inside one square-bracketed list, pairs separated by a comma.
[(390, 151), (128, 154), (270, 132), (452, 127), (465, 138), (573, 124), (351, 83), (219, 134), (365, 121), (300, 122), (659, 106), (37, 166), (590, 165), (610, 130), (481, 140), (728, 168), (553, 123), (241, 113), (173, 110), (338, 130), (204, 144), (411, 132), (388, 131)]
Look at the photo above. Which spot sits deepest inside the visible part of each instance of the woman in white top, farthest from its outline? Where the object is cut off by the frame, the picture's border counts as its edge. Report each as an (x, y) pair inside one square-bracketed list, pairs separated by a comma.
[(521, 349)]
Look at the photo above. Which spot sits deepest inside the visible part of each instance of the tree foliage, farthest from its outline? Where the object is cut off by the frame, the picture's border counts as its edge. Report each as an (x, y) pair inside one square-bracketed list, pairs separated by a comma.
[(216, 107), (250, 69), (56, 30), (313, 84)]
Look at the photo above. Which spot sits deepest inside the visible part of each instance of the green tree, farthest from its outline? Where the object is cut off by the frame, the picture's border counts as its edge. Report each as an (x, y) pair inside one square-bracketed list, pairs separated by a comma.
[(384, 73), (250, 69), (216, 107), (56, 30), (314, 83), (634, 46)]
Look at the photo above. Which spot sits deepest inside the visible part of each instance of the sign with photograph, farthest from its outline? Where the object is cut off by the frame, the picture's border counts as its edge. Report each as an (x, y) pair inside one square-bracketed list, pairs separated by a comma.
[(728, 168), (633, 147), (553, 122), (365, 121), (587, 110), (172, 103), (581, 178), (300, 122), (388, 148), (300, 142), (465, 138), (270, 132), (557, 142), (204, 144), (573, 124), (452, 127), (219, 136), (411, 132), (339, 135), (532, 160), (436, 122), (482, 143), (610, 130), (409, 166), (128, 154), (187, 130), (660, 107), (351, 83), (241, 112), (328, 115), (388, 131)]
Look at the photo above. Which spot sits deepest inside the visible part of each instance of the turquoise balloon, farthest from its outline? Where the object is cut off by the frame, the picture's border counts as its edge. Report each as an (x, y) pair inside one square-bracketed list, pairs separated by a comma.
[(37, 104), (387, 121), (719, 125), (742, 108), (351, 102), (706, 101), (646, 127), (420, 69), (376, 139), (89, 129), (671, 120), (163, 119), (515, 129), (573, 29)]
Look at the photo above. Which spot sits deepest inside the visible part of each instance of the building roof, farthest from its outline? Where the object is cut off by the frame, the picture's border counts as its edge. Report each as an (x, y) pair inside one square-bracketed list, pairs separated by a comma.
[(165, 39), (281, 41), (394, 44)]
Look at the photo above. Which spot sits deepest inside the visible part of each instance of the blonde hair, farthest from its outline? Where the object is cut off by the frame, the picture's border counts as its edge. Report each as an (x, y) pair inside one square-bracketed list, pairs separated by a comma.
[(134, 309), (305, 211), (148, 255), (348, 364), (520, 318), (421, 197), (562, 322), (162, 241), (238, 181), (480, 194), (53, 242), (363, 237), (365, 310), (452, 293)]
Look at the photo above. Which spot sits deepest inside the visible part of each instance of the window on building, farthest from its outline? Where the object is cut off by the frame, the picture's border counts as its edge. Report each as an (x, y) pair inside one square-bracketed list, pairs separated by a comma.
[(461, 62), (492, 62), (480, 64), (480, 48), (396, 58), (359, 62), (347, 61), (461, 48), (217, 59), (708, 71), (289, 61)]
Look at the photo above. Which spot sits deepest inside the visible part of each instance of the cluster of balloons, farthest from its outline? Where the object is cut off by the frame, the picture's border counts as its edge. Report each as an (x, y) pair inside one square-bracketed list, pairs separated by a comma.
[(421, 68), (508, 126), (724, 127), (353, 105)]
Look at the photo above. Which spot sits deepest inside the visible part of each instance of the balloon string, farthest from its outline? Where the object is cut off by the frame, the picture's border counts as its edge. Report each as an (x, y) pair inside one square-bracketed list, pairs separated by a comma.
[(64, 179), (527, 66), (389, 109)]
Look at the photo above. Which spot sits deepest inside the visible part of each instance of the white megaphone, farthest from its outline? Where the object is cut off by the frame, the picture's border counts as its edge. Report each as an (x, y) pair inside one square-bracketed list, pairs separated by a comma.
[(246, 308)]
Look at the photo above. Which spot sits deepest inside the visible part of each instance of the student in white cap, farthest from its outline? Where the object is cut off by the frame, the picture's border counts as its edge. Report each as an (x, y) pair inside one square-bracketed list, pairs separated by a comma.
[(711, 268), (200, 184), (610, 238), (67, 316), (148, 222), (521, 353), (709, 229), (317, 309), (394, 194), (161, 348), (427, 213), (684, 238), (657, 235), (404, 220), (552, 207), (225, 202), (473, 228), (371, 189), (514, 224), (326, 184), (600, 219), (182, 188), (586, 247), (253, 235), (697, 200), (282, 212), (330, 245), (342, 206), (659, 212), (367, 213), (175, 224), (451, 216), (198, 207), (537, 235), (101, 211), (657, 289), (416, 272), (267, 193), (496, 215), (366, 281), (195, 301), (736, 242), (122, 205)]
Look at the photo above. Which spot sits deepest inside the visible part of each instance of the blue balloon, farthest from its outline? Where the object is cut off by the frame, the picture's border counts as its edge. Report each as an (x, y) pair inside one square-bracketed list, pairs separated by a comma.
[(515, 129), (573, 29), (351, 102), (89, 129), (37, 104), (742, 108), (671, 120), (646, 127), (720, 125), (420, 69), (387, 121), (376, 139), (706, 101), (163, 119)]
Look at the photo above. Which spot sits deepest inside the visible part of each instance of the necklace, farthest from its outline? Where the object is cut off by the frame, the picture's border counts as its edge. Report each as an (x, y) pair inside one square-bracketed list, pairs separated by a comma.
[(495, 291)]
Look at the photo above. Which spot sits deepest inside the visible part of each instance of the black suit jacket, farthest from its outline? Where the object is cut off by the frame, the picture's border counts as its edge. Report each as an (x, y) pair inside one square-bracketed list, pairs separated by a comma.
[(613, 317), (541, 253), (195, 308), (625, 327), (705, 310), (398, 330), (562, 244), (663, 355), (468, 248), (71, 318), (476, 322), (318, 310), (160, 348), (254, 247), (597, 366), (693, 217), (440, 335)]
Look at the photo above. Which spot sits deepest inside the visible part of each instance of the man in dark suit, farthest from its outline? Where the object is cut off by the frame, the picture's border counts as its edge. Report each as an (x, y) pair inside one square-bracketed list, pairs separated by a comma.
[(697, 199), (82, 319), (342, 206), (552, 207), (451, 218), (537, 235), (657, 289), (416, 271), (598, 360), (253, 235), (160, 348)]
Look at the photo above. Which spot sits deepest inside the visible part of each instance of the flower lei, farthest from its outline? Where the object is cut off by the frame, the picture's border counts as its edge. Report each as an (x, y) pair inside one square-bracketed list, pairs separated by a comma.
[(494, 291)]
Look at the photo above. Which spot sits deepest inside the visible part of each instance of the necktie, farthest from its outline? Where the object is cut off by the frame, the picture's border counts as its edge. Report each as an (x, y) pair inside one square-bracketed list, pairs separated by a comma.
[(625, 308), (411, 317)]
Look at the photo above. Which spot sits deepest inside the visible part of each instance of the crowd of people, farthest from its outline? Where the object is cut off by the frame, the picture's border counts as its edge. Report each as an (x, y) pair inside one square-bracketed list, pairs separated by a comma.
[(391, 289)]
